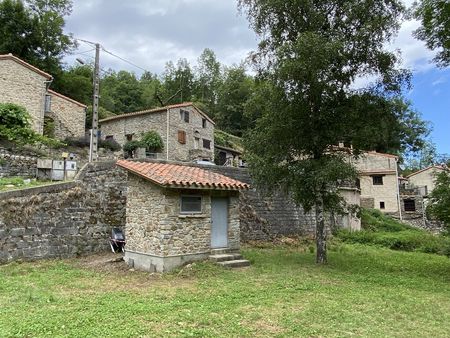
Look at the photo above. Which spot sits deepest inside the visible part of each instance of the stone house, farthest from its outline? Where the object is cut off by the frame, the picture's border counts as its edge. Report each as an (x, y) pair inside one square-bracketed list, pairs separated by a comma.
[(425, 179), (378, 181), (28, 86), (178, 213), (228, 157), (186, 131)]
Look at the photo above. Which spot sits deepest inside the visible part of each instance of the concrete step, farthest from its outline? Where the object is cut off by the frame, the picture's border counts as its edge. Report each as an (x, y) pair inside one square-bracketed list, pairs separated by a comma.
[(225, 257), (237, 263), (219, 251)]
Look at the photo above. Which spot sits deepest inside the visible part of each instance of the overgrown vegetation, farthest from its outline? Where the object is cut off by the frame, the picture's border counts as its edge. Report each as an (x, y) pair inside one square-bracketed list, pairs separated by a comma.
[(439, 207), (13, 183), (363, 292), (382, 230)]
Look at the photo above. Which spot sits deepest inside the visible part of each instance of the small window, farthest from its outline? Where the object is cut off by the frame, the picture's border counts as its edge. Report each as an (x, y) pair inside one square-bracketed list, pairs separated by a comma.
[(196, 142), (182, 136), (204, 123), (410, 205), (191, 204), (109, 137), (382, 205), (206, 144), (377, 180), (184, 115), (129, 137), (48, 103)]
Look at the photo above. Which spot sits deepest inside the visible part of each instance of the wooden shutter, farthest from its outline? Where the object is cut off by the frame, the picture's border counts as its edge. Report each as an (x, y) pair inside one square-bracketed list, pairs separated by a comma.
[(182, 136)]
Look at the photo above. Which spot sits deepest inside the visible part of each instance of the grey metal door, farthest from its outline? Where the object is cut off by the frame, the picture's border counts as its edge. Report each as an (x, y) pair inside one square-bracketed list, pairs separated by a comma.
[(219, 222)]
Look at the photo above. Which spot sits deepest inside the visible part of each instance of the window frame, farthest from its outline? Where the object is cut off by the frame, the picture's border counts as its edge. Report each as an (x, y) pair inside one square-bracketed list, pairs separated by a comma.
[(382, 205), (411, 202), (375, 178), (208, 142), (204, 123), (48, 103), (181, 136), (184, 212), (184, 115)]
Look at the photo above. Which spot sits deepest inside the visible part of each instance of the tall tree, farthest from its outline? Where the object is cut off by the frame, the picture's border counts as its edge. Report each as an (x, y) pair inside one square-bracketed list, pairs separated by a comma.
[(34, 30), (208, 78), (312, 52), (439, 206), (233, 95), (435, 29), (178, 82)]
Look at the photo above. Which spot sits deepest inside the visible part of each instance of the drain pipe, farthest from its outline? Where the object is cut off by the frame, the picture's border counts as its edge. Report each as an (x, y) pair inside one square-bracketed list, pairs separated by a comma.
[(167, 135), (398, 190)]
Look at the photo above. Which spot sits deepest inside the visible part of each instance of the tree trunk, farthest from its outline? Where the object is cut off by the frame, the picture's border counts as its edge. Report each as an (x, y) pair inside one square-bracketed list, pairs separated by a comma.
[(321, 235)]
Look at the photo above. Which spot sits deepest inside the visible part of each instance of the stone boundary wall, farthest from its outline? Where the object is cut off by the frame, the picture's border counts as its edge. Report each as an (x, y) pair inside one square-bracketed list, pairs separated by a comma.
[(17, 165), (64, 219)]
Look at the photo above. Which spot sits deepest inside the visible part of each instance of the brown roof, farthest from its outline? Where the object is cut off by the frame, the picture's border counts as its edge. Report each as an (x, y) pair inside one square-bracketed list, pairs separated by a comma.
[(155, 110), (25, 64), (181, 176), (425, 169), (67, 98), (377, 172)]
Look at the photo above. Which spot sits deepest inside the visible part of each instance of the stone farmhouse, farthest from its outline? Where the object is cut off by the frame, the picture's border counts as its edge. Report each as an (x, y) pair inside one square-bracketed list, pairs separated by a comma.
[(378, 181), (28, 86), (186, 131), (425, 179), (177, 214)]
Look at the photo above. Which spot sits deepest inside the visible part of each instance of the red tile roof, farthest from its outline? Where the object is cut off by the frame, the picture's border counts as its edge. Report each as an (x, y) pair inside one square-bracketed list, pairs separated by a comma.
[(25, 64), (181, 176), (156, 110)]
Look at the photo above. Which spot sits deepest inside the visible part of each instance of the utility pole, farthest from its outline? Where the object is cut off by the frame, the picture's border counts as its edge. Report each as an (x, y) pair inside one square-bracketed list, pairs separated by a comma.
[(94, 133)]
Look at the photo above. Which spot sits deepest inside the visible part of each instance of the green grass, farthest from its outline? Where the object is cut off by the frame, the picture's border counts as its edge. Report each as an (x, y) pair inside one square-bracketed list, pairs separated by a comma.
[(364, 291), (18, 183), (384, 231)]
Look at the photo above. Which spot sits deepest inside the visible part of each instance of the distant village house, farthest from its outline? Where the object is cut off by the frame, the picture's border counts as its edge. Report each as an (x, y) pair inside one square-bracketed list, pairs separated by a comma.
[(28, 86), (187, 132)]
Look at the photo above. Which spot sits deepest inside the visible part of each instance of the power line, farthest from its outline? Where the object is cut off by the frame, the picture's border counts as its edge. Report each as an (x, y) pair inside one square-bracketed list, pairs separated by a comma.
[(124, 60)]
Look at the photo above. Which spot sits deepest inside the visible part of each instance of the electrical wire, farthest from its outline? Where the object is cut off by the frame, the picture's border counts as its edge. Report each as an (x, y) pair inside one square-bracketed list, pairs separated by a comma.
[(124, 60)]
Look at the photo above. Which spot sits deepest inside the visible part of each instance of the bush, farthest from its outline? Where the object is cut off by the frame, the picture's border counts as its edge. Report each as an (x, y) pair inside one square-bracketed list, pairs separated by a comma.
[(109, 144), (79, 142), (375, 220), (152, 141), (131, 146)]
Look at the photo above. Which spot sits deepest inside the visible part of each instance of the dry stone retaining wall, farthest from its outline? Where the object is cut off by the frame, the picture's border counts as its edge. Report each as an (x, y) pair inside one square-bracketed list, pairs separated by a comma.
[(64, 219), (17, 165)]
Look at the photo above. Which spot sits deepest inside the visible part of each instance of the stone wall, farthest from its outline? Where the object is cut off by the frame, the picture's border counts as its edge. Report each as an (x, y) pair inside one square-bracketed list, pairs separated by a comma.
[(64, 219), (12, 164), (70, 114), (25, 87)]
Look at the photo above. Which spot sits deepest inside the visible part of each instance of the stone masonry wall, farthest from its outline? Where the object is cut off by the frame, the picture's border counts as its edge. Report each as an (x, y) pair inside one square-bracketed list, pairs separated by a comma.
[(64, 219), (24, 87), (71, 115), (155, 225), (17, 165)]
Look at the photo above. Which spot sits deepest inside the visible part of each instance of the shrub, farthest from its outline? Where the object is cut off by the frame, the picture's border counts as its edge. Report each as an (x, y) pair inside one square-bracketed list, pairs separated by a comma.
[(131, 146), (152, 141), (109, 144), (77, 141)]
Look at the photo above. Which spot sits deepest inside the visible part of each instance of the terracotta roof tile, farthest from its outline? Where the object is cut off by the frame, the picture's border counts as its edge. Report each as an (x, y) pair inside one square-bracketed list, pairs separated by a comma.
[(181, 176)]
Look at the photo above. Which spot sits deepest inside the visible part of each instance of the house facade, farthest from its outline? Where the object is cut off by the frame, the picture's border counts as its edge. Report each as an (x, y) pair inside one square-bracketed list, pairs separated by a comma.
[(186, 131), (177, 214), (425, 179), (28, 86), (378, 181)]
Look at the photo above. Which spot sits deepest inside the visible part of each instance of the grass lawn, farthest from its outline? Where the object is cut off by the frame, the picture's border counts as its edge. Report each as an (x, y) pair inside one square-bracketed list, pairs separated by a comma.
[(14, 183), (364, 291)]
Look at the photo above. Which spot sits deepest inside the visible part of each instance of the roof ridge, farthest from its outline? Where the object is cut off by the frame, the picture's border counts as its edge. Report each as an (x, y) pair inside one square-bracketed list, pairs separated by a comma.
[(10, 56)]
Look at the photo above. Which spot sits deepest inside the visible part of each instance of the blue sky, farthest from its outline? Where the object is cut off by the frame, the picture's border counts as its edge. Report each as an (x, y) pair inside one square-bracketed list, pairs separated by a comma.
[(151, 33), (431, 96)]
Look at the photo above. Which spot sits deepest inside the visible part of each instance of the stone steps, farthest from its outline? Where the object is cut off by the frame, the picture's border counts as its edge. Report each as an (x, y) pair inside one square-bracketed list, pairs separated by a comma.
[(228, 258)]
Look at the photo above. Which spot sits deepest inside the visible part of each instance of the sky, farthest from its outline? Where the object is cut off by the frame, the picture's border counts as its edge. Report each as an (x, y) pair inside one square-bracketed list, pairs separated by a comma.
[(149, 33)]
